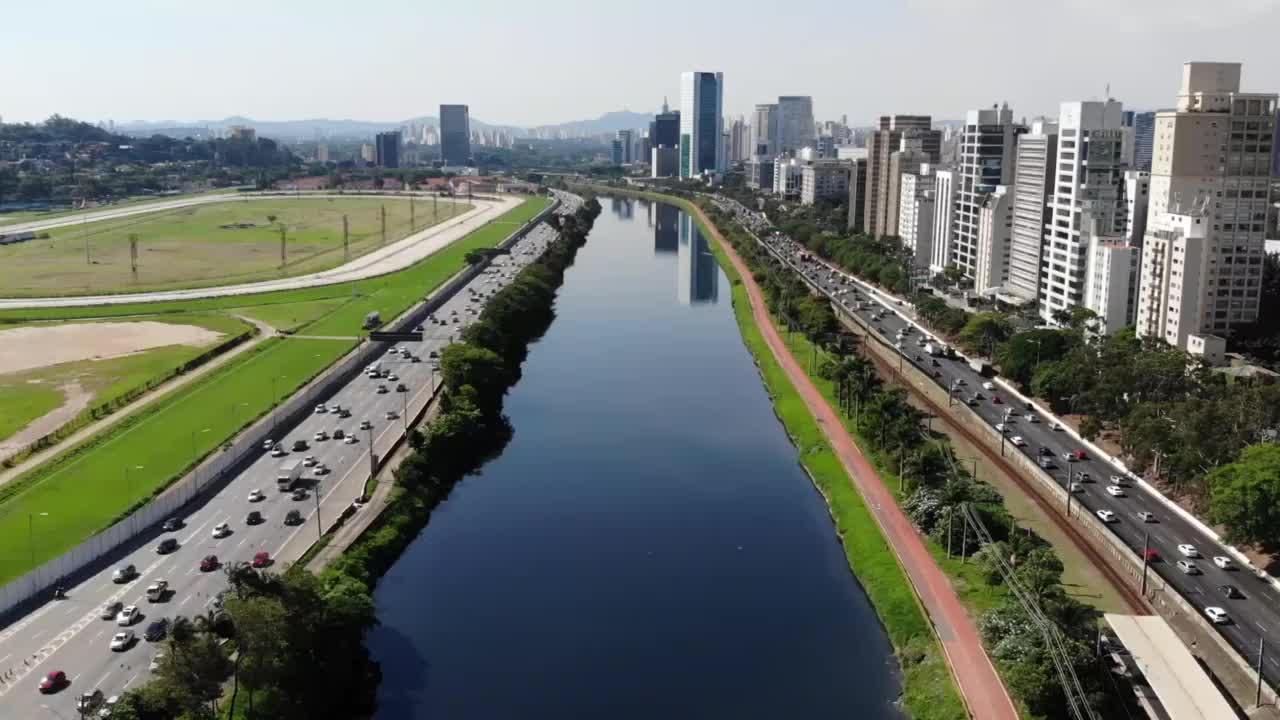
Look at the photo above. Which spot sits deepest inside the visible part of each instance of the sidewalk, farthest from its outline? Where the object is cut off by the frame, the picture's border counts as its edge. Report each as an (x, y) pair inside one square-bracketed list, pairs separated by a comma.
[(157, 393), (983, 691)]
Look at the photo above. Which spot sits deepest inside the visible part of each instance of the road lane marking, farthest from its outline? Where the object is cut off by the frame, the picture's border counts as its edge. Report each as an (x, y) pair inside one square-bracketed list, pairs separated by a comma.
[(102, 680), (1261, 627), (129, 682)]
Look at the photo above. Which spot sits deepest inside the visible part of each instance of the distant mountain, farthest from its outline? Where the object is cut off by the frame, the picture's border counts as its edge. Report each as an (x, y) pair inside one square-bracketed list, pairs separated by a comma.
[(606, 123)]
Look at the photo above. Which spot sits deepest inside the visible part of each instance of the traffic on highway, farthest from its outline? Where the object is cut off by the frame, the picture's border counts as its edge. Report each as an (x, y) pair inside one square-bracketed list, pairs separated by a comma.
[(1242, 605), (76, 654)]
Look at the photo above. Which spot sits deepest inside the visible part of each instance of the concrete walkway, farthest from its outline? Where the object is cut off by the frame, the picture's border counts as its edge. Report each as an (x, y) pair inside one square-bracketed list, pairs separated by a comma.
[(157, 393), (979, 683)]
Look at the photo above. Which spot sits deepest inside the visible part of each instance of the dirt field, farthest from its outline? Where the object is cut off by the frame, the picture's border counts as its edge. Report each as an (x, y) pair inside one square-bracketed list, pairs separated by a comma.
[(37, 346)]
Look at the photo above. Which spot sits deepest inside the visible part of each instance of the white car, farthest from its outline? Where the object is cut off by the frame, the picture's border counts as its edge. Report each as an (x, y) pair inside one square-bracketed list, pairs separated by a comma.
[(322, 469), (1119, 480), (1001, 427), (268, 444), (155, 662), (1115, 491), (256, 495), (122, 640), (278, 452), (1223, 562), (1018, 441), (1147, 517), (393, 377), (1189, 550), (221, 530), (350, 440), (1106, 516), (1217, 615), (1031, 418), (320, 436), (1077, 487), (108, 707), (309, 461), (321, 409), (988, 386), (127, 616)]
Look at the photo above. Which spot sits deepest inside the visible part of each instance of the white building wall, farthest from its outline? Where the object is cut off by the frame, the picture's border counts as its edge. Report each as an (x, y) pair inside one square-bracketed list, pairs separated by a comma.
[(944, 205)]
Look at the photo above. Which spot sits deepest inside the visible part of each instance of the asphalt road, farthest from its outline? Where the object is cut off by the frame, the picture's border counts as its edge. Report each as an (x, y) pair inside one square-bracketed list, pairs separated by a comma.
[(1253, 616), (69, 635), (396, 256)]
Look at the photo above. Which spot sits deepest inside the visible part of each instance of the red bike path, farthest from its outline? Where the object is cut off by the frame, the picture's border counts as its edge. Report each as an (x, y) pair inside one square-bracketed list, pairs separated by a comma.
[(976, 677)]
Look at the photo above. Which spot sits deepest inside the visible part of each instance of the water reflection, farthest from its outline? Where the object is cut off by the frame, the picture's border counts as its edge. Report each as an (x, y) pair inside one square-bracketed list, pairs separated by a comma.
[(699, 274), (665, 234), (622, 207)]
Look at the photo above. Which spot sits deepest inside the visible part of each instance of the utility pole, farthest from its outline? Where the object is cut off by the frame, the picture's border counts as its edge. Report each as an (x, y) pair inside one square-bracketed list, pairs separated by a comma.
[(282, 246), (319, 525), (133, 252), (412, 216), (346, 240), (951, 511), (1070, 473), (383, 210), (1146, 548), (1257, 693), (965, 537), (373, 460), (435, 213)]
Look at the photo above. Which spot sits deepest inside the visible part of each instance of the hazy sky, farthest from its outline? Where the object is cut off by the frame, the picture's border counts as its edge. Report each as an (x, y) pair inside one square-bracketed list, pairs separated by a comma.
[(545, 61)]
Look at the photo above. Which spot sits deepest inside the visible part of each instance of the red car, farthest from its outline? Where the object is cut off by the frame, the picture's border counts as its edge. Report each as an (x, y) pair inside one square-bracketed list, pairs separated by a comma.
[(1153, 555), (995, 400), (53, 682), (261, 559), (209, 563), (1081, 456)]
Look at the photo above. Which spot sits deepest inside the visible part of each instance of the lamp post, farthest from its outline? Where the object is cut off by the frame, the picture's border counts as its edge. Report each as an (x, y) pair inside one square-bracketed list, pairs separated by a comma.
[(319, 525), (31, 543)]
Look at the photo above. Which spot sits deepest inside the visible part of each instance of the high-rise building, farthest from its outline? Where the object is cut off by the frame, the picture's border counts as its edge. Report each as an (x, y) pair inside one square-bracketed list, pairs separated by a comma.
[(795, 123), (1144, 128), (826, 147), (617, 155), (387, 149), (455, 134), (908, 158), (626, 143), (995, 225), (701, 123), (1087, 205), (915, 214), (760, 173), (368, 153), (944, 199), (788, 174), (824, 180), (1211, 179), (857, 191), (881, 144), (1034, 168), (322, 152), (986, 162), (664, 131), (764, 129)]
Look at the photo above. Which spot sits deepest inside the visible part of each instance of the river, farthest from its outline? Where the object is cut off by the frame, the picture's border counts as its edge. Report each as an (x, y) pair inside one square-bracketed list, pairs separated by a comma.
[(646, 546)]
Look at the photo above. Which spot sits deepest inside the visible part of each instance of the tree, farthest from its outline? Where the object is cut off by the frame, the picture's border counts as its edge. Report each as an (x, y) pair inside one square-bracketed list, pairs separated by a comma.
[(1245, 496), (260, 623), (1019, 357), (481, 368), (985, 331)]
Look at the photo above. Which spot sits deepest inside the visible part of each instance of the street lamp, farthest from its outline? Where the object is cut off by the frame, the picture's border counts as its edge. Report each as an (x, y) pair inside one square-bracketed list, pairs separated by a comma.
[(319, 526), (31, 544)]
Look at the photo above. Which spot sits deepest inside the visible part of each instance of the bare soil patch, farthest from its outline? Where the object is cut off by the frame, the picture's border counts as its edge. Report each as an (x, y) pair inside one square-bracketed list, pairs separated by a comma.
[(35, 346)]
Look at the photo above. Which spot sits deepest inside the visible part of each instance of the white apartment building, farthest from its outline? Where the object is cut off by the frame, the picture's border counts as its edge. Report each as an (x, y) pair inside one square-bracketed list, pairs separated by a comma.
[(944, 197), (995, 225), (824, 180), (1206, 225), (1034, 166), (1109, 282), (986, 162), (1094, 151), (915, 215), (787, 176)]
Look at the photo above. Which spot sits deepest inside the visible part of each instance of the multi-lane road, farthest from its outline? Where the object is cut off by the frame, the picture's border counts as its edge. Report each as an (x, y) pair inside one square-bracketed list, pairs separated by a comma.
[(1137, 516), (70, 635)]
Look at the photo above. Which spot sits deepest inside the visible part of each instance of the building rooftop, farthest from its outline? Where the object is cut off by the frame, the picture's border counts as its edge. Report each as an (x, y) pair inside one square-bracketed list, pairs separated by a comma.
[(1183, 688)]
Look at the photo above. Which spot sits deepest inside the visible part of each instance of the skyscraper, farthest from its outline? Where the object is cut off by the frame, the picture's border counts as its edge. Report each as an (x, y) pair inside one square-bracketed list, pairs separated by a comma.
[(1144, 128), (739, 141), (387, 148), (624, 141), (764, 126), (455, 134), (986, 162), (701, 123), (1211, 176), (881, 144), (664, 143), (1034, 168), (795, 123)]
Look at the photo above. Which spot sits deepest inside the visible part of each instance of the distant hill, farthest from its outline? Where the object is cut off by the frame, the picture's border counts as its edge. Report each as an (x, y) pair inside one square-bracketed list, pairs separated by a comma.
[(606, 123)]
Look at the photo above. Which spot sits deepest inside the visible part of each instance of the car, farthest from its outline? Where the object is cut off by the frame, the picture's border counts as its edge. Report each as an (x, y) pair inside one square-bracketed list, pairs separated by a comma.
[(300, 494), (1115, 491), (392, 415), (1046, 463), (415, 359), (339, 434), (1069, 457), (973, 400), (156, 631), (108, 707), (111, 610), (1230, 591), (344, 413), (222, 530), (53, 682), (433, 354), (321, 409), (1151, 555), (1224, 562), (88, 701), (321, 469), (299, 445), (1080, 455), (1018, 441), (1055, 427), (393, 377), (167, 546), (1106, 516), (157, 590), (1120, 480), (172, 524), (310, 461), (124, 574), (366, 425), (293, 518), (261, 559), (1217, 615), (1077, 487), (382, 390), (1189, 550), (209, 563), (253, 518), (278, 451), (401, 387), (127, 616), (1188, 567), (1031, 418), (268, 444), (979, 395), (155, 662), (988, 386), (1044, 452), (122, 640), (320, 436), (1002, 427), (1084, 477), (1147, 517), (995, 400), (350, 440), (256, 495)]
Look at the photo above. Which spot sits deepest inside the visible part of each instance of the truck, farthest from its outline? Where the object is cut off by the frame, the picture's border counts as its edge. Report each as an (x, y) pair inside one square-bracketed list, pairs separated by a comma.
[(937, 349), (289, 474), (981, 367), (372, 320)]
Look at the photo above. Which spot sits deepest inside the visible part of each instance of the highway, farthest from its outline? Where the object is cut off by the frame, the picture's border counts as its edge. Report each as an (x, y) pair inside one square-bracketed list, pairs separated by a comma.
[(396, 256), (1254, 615), (70, 636)]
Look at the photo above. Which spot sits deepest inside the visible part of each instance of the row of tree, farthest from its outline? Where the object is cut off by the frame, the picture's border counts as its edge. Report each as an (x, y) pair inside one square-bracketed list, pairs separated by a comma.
[(938, 493), (1176, 421)]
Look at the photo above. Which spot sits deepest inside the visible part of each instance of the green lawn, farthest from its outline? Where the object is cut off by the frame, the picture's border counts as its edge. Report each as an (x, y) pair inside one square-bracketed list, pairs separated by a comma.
[(85, 488), (24, 402), (289, 317), (235, 241)]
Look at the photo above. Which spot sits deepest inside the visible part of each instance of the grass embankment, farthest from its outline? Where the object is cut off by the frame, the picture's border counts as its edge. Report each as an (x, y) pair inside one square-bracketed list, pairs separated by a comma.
[(24, 401), (86, 487), (221, 243), (928, 691)]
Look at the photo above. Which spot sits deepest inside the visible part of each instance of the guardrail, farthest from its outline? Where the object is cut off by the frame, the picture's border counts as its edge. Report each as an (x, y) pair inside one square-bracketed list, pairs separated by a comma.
[(216, 470)]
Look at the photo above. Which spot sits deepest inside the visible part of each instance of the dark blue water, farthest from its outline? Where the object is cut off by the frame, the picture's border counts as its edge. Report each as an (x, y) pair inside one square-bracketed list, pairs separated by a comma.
[(646, 546)]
